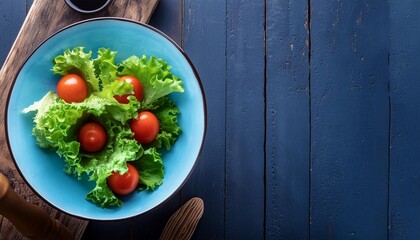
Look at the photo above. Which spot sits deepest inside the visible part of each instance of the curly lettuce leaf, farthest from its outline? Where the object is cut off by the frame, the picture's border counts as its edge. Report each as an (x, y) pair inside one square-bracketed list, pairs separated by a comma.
[(54, 121), (105, 67), (154, 74), (77, 61), (150, 167), (102, 196)]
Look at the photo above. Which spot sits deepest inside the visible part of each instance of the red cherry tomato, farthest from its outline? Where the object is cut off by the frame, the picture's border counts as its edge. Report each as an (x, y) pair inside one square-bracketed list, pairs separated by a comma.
[(126, 183), (92, 137), (145, 127), (72, 88), (137, 89)]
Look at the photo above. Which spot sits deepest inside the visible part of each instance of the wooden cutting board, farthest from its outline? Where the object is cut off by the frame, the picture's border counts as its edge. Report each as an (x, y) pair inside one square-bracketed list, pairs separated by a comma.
[(45, 18)]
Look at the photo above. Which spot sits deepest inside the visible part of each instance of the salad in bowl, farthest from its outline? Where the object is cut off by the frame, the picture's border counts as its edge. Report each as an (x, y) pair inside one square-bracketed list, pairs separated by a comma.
[(106, 128)]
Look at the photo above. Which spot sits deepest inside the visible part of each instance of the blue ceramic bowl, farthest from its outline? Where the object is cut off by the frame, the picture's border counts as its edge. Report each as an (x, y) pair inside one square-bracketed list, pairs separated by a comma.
[(43, 169)]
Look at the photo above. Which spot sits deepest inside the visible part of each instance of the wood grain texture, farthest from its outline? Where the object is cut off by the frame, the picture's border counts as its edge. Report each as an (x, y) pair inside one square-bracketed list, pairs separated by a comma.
[(41, 22), (245, 159), (30, 220), (405, 117), (182, 224), (287, 120), (349, 119), (204, 40)]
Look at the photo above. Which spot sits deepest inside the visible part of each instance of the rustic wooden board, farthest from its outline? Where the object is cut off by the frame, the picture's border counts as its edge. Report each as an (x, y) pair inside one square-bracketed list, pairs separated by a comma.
[(44, 18), (349, 119)]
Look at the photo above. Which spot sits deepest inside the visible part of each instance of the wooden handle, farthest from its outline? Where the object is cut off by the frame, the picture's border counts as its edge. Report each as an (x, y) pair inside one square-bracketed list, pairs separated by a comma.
[(30, 220), (183, 222)]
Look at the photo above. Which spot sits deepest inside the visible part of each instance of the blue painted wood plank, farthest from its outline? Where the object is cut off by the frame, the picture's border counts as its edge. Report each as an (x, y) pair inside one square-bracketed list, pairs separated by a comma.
[(287, 120), (151, 224), (405, 118), (28, 5), (204, 40), (168, 18), (349, 119), (245, 122), (108, 230), (12, 14)]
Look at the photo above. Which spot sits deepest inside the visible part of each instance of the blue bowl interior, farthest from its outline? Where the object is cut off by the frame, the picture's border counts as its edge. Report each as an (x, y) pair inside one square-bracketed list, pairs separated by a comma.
[(43, 169)]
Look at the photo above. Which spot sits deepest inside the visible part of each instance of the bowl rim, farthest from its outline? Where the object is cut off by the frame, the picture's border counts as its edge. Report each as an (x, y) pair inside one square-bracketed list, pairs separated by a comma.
[(118, 19), (80, 10)]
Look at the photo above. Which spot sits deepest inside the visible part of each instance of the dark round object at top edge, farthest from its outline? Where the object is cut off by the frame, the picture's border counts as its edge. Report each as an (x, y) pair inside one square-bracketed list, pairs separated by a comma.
[(88, 6)]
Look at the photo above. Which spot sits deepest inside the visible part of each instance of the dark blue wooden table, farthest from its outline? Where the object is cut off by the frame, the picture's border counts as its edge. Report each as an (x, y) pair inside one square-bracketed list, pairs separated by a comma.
[(313, 118)]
